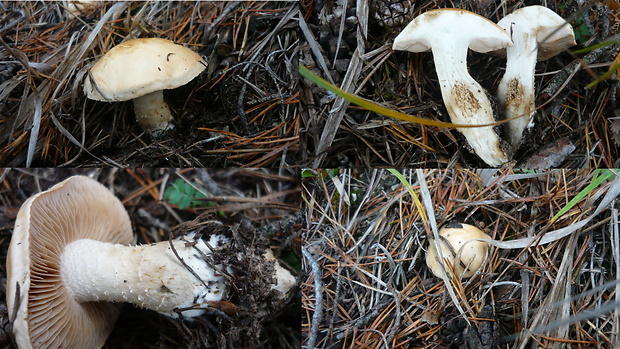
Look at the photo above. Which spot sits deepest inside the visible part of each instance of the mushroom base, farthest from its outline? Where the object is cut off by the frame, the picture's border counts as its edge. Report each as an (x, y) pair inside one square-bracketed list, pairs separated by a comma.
[(153, 113), (150, 276)]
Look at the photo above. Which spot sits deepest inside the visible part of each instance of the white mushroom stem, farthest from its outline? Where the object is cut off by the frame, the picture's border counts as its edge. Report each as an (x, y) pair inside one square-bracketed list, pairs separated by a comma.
[(538, 34), (466, 101), (284, 279), (516, 89), (152, 112), (150, 276)]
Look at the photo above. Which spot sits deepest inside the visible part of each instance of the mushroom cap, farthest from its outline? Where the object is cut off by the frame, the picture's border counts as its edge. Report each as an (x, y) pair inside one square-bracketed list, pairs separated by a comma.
[(459, 241), (551, 31), (47, 315), (138, 67), (443, 26)]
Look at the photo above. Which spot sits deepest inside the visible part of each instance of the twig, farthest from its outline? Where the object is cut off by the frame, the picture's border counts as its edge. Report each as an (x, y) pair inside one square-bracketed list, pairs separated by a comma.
[(317, 316)]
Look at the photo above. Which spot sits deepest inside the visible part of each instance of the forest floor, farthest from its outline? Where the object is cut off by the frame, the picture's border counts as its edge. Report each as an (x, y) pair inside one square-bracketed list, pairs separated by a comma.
[(365, 242)]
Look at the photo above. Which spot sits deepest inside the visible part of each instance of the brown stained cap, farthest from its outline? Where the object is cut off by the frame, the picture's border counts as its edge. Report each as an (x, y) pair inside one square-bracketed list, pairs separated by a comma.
[(138, 67), (46, 315)]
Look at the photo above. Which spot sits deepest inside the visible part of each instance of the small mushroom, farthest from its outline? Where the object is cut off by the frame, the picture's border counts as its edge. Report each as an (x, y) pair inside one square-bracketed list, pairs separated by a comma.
[(538, 34), (71, 254), (139, 70), (449, 33), (463, 254), (80, 7)]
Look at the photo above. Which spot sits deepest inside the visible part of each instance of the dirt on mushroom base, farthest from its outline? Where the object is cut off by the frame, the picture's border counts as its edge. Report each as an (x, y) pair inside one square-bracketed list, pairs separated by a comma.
[(254, 300), (236, 324)]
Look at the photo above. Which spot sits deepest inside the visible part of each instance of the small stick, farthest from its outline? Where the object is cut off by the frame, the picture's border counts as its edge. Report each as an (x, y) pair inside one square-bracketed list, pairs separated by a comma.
[(318, 302)]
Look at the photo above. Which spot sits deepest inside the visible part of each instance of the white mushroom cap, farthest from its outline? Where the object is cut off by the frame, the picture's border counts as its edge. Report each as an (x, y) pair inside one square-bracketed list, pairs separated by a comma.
[(461, 252), (141, 67), (450, 24), (538, 34), (47, 316), (449, 33), (551, 32), (138, 67), (80, 7)]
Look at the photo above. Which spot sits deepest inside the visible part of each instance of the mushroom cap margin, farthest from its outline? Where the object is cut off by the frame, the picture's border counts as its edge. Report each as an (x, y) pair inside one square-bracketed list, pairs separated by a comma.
[(458, 236)]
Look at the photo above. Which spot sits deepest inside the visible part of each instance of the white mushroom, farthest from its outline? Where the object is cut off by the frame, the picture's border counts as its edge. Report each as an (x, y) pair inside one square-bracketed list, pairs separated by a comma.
[(463, 254), (80, 7), (139, 70), (69, 257), (449, 33), (538, 34)]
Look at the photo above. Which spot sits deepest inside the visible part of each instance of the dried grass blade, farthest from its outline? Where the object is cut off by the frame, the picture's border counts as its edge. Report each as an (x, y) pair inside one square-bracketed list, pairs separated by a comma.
[(428, 203), (69, 136), (36, 125), (612, 193), (615, 246), (314, 47)]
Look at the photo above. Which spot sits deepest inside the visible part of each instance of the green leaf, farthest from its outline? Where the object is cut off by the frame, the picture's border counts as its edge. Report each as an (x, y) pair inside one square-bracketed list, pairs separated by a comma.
[(183, 195), (307, 173)]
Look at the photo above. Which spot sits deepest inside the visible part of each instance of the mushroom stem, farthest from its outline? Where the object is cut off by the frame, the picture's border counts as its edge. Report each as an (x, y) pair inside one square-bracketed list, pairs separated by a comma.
[(150, 276), (467, 102), (153, 113), (516, 89)]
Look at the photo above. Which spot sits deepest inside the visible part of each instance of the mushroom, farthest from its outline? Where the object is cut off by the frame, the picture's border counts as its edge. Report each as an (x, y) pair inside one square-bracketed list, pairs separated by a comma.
[(69, 254), (139, 70), (538, 34), (463, 254), (448, 33), (80, 7)]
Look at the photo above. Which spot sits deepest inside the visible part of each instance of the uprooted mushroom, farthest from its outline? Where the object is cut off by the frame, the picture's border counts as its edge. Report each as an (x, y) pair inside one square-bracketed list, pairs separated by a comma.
[(538, 34), (72, 255), (449, 33)]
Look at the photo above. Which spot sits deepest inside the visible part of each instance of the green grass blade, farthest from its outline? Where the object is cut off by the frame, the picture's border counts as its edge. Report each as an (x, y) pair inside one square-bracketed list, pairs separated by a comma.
[(615, 66), (599, 45), (599, 177), (409, 187)]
